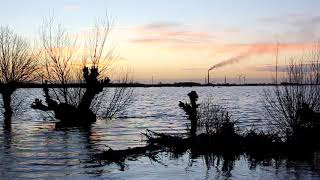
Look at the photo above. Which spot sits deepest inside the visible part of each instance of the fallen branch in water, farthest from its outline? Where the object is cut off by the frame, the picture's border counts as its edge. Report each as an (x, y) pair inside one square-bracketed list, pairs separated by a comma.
[(119, 156), (221, 139)]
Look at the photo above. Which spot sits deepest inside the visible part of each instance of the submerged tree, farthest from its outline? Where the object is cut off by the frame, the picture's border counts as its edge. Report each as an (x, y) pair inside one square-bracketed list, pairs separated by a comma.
[(294, 106), (191, 111), (17, 65), (61, 52)]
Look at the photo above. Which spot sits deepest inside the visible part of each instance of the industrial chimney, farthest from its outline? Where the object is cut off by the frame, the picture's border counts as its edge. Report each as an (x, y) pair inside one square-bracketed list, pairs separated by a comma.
[(208, 76)]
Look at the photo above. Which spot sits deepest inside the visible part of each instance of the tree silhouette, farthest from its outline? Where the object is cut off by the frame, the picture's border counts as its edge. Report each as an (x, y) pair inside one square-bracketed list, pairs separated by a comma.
[(191, 111), (17, 65), (65, 62)]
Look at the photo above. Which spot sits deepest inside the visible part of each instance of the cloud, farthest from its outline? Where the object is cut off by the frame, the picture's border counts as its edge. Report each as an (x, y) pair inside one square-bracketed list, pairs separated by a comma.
[(161, 25), (71, 7), (269, 68), (258, 49), (295, 27), (281, 68), (232, 30), (169, 33), (195, 69)]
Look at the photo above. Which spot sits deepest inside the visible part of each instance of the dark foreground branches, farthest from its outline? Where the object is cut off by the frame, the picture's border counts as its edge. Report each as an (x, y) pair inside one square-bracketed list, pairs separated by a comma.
[(61, 53), (18, 65), (222, 140), (120, 156), (70, 115)]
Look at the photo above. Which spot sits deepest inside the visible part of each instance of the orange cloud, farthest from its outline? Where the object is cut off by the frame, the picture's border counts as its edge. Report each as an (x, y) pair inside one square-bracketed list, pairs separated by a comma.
[(172, 50), (177, 37)]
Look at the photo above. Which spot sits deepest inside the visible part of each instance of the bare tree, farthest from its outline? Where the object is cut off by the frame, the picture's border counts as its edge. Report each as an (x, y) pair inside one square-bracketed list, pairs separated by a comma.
[(17, 65), (59, 50), (116, 99), (294, 106), (69, 62)]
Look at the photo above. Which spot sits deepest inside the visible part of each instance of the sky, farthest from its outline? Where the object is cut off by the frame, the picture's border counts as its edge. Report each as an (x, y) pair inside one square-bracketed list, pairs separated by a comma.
[(179, 40)]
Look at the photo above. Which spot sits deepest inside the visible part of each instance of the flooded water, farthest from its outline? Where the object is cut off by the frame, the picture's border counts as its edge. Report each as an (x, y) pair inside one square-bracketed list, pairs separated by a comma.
[(32, 148)]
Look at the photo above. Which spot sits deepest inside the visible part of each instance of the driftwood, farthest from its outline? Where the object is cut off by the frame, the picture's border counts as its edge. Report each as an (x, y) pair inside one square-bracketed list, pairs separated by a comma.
[(257, 147), (120, 156)]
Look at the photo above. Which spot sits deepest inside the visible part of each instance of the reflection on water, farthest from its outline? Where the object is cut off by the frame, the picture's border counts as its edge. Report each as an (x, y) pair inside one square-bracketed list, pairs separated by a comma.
[(32, 148)]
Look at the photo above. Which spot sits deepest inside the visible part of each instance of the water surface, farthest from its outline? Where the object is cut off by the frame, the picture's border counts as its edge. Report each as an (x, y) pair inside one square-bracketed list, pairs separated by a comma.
[(34, 149)]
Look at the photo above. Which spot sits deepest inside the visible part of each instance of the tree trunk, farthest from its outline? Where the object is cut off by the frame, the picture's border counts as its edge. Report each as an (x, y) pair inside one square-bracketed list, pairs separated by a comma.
[(87, 98), (6, 96), (93, 87)]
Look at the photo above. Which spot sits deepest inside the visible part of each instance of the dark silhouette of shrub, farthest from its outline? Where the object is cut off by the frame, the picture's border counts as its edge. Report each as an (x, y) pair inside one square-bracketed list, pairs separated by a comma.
[(224, 140), (215, 119), (294, 108)]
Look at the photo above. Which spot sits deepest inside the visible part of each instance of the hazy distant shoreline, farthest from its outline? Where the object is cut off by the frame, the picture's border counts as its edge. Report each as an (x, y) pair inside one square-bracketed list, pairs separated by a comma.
[(180, 84)]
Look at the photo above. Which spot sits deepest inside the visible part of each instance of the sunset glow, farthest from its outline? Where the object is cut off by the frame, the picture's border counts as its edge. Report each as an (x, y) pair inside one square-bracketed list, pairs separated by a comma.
[(181, 40)]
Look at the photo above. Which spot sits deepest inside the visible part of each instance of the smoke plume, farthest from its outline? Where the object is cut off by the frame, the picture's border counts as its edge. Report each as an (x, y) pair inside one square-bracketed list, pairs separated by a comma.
[(258, 49)]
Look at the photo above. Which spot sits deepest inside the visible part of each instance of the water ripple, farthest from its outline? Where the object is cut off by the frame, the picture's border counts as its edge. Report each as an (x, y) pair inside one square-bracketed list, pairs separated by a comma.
[(34, 149)]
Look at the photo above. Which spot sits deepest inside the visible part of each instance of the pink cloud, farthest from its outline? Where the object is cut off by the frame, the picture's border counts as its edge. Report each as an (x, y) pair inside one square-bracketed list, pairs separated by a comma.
[(258, 49), (169, 32)]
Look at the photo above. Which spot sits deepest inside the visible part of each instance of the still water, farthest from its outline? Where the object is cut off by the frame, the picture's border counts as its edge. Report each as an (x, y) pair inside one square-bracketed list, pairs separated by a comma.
[(34, 149)]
